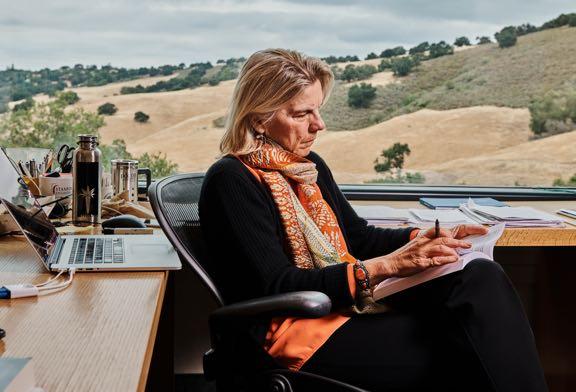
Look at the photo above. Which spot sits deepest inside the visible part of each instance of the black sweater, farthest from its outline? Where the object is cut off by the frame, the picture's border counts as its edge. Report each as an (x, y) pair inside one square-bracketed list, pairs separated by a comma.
[(245, 237)]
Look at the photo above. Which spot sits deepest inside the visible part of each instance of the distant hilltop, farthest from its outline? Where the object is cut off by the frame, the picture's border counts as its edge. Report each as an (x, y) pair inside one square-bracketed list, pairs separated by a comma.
[(17, 84)]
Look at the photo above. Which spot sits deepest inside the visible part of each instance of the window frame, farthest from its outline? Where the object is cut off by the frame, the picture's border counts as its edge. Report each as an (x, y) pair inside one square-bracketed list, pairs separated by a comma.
[(415, 192)]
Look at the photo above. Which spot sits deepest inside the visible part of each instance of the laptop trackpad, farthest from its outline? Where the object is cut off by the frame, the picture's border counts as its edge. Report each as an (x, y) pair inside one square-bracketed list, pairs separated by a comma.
[(150, 252)]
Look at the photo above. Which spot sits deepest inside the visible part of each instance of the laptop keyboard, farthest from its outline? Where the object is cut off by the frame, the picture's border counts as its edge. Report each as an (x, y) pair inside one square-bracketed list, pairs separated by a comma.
[(97, 251)]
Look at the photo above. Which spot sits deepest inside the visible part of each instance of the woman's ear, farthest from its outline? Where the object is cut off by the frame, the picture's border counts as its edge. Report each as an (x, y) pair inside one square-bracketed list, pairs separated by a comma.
[(258, 124)]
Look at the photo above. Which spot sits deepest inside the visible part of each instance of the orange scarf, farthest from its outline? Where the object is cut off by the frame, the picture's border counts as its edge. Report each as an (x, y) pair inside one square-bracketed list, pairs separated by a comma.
[(313, 235)]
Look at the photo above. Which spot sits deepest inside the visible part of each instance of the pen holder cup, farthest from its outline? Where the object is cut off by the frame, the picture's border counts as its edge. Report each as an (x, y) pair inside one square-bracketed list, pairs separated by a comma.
[(60, 187)]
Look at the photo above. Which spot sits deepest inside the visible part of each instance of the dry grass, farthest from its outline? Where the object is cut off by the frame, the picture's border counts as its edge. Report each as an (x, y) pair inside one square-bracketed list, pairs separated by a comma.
[(472, 145), (482, 75)]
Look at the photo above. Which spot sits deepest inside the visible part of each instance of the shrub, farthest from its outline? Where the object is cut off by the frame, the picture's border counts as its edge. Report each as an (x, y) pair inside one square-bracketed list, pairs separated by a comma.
[(420, 48), (141, 117), (361, 72), (393, 159), (371, 56), (462, 41), (158, 164), (526, 28), (384, 65), (440, 49), (553, 113), (483, 40), (68, 97), (402, 66), (572, 20), (560, 182), (506, 37), (361, 96), (107, 109), (397, 51), (219, 122), (561, 20), (24, 106)]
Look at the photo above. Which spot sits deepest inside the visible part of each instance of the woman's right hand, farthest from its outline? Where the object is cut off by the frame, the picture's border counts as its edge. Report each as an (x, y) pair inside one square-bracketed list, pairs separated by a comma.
[(417, 255)]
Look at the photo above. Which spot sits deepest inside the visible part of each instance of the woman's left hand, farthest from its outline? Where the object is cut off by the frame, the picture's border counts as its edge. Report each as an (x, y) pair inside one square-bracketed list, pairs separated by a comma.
[(458, 232), (462, 231)]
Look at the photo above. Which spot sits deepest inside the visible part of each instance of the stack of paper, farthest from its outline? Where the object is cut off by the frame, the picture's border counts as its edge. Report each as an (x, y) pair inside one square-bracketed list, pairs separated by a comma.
[(449, 217), (377, 214), (511, 216)]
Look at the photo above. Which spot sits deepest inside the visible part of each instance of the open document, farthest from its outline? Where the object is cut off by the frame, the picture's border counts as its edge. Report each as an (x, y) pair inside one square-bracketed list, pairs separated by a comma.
[(482, 247)]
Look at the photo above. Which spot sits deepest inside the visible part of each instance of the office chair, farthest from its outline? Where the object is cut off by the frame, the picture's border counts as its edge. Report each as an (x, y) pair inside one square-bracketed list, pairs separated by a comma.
[(235, 361)]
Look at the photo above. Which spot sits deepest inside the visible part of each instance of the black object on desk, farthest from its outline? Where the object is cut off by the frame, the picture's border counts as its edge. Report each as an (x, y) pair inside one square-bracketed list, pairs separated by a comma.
[(123, 221)]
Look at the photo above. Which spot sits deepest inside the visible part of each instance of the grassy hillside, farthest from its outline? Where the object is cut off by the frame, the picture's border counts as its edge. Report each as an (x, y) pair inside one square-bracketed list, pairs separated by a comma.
[(483, 75)]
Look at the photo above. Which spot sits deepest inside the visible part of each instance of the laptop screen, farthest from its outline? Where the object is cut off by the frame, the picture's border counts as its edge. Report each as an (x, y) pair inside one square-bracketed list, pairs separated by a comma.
[(16, 199)]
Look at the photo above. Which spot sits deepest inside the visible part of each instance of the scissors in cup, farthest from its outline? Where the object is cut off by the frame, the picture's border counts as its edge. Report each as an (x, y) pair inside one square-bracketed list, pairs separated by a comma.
[(65, 158)]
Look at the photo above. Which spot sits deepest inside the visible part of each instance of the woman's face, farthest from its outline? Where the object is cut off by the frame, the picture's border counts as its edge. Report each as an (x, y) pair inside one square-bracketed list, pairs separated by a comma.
[(295, 125)]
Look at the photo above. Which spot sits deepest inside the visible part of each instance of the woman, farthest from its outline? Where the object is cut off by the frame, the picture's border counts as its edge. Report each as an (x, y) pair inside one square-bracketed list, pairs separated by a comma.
[(275, 221)]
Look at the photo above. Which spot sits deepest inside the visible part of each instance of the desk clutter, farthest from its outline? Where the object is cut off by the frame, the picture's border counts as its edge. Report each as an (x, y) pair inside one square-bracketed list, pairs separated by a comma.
[(73, 179), (466, 213)]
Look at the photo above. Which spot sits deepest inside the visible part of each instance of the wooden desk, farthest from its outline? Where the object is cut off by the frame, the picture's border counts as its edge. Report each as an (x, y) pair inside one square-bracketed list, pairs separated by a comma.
[(522, 237), (97, 335)]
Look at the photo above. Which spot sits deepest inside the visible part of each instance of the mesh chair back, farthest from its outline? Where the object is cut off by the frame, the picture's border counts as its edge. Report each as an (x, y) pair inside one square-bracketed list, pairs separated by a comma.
[(175, 202)]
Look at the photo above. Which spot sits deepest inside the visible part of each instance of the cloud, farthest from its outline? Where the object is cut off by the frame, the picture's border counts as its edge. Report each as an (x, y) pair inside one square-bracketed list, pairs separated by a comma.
[(36, 33)]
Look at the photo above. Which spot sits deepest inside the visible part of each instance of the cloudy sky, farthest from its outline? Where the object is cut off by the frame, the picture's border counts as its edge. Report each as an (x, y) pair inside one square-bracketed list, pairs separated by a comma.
[(40, 33)]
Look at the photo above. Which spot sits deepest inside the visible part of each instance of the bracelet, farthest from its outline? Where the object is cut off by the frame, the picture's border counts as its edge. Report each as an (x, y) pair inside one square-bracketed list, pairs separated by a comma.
[(361, 275)]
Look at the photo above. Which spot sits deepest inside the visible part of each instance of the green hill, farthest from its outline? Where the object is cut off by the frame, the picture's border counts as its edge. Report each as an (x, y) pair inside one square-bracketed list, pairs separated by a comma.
[(484, 75)]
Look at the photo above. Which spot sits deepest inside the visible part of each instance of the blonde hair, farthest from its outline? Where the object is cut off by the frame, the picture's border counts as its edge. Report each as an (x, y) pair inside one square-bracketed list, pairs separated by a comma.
[(268, 80)]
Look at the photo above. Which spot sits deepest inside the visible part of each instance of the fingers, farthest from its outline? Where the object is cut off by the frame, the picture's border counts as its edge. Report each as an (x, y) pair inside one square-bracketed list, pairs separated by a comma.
[(466, 230), (451, 242), (431, 233), (442, 250), (441, 260)]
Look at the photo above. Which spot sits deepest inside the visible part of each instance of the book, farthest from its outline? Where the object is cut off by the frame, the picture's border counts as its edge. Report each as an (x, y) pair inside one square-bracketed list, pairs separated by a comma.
[(454, 202), (482, 247), (17, 375)]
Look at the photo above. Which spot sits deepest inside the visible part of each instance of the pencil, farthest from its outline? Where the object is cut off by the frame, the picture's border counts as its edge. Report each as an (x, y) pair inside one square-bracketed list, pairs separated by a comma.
[(437, 229)]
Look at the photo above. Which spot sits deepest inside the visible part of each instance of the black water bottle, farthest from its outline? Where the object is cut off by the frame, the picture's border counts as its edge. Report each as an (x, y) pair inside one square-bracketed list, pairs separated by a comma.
[(87, 173)]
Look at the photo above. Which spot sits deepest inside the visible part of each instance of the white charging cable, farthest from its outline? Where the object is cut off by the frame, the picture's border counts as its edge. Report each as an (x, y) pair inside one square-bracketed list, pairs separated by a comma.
[(30, 290)]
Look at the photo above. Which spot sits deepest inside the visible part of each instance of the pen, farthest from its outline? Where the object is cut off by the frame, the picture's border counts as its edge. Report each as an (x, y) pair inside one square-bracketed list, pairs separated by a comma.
[(437, 229)]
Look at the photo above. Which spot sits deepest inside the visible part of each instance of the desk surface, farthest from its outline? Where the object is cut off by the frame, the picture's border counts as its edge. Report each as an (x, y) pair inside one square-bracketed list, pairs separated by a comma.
[(97, 335), (522, 236)]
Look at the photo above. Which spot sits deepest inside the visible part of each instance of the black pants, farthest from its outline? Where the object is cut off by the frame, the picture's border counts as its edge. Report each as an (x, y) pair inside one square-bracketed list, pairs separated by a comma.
[(465, 331)]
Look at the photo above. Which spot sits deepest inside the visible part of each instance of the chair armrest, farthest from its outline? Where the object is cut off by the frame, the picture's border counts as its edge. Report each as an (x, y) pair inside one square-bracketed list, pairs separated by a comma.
[(308, 304)]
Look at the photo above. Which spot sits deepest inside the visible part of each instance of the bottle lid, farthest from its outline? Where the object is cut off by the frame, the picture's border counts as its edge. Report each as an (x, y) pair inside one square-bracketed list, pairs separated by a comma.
[(88, 139)]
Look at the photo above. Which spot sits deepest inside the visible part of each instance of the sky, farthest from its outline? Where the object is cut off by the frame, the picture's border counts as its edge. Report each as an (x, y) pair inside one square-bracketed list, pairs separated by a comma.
[(35, 34)]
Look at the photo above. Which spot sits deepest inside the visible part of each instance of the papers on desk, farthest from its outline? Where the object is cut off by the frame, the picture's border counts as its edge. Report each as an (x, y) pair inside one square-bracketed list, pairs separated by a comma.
[(510, 216), (451, 217), (468, 213), (378, 214)]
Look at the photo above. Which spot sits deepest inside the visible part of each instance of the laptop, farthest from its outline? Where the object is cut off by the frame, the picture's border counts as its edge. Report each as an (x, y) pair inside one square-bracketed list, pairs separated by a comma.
[(147, 252)]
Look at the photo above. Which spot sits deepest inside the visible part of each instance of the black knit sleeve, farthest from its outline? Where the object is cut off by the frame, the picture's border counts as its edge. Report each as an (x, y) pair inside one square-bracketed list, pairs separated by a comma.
[(366, 241), (236, 206)]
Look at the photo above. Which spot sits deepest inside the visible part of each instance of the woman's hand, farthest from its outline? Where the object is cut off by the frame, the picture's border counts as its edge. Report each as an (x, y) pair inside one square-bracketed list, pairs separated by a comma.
[(458, 232), (417, 255)]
